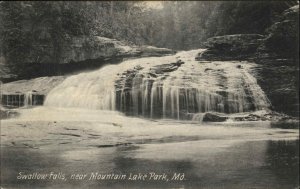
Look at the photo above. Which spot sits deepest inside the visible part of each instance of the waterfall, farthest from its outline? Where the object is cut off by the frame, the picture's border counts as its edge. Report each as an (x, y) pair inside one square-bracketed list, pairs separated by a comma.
[(28, 99), (174, 86)]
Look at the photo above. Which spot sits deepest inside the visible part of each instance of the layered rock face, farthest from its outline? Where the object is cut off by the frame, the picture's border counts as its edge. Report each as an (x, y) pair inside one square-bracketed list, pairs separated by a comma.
[(24, 93), (283, 36), (279, 60), (247, 116), (277, 56), (76, 54), (98, 48), (231, 47)]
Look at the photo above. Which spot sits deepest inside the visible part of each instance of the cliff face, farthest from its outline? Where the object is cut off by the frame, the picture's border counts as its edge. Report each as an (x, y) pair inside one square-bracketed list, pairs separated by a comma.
[(283, 36), (276, 53), (79, 53), (231, 47), (279, 60), (281, 41), (84, 48)]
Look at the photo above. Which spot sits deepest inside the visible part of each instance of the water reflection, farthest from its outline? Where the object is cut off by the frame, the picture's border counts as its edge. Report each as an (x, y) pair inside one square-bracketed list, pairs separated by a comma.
[(254, 164), (285, 125), (283, 160)]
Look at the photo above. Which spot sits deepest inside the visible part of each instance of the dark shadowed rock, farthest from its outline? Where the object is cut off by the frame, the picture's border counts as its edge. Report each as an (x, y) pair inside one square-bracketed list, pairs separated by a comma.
[(254, 116), (279, 57), (75, 54), (231, 47), (277, 53), (263, 116), (214, 117), (7, 113), (16, 94), (84, 48), (283, 36)]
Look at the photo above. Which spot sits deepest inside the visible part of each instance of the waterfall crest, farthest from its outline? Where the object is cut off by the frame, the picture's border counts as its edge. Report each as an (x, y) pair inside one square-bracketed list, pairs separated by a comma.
[(175, 86)]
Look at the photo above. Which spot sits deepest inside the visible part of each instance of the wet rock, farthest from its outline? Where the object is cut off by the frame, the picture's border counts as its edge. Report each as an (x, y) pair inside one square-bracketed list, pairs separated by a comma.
[(154, 72), (250, 117), (263, 116), (18, 93), (153, 75), (231, 47), (20, 100), (279, 79), (8, 113), (214, 117), (207, 69), (254, 116), (165, 68), (128, 87), (138, 67), (153, 51)]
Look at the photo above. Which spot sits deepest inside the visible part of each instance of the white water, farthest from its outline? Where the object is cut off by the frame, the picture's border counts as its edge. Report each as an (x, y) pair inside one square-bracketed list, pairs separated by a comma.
[(193, 88), (28, 99)]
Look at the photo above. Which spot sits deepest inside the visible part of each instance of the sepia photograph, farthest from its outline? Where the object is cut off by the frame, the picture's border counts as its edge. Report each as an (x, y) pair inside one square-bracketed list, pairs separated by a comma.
[(149, 94)]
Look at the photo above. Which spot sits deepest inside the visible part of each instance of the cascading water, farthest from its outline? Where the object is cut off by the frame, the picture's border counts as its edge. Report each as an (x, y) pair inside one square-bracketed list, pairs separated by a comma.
[(28, 99), (175, 86)]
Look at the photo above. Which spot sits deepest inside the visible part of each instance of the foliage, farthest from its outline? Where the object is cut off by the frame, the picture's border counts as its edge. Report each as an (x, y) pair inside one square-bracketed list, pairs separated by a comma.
[(28, 27)]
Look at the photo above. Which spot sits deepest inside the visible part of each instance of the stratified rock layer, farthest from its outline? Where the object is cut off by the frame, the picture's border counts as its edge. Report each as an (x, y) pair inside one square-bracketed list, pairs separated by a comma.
[(28, 92), (231, 47), (277, 56), (77, 54)]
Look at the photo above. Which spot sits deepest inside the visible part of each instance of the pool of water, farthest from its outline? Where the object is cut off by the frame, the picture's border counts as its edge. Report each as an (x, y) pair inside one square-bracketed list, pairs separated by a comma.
[(224, 155)]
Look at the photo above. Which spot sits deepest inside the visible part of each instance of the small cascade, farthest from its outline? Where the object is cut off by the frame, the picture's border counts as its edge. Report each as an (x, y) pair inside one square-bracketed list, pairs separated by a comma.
[(198, 117), (177, 87), (28, 99), (12, 100)]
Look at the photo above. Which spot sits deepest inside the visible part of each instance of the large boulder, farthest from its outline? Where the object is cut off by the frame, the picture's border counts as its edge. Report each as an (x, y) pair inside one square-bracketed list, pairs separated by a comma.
[(214, 117)]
